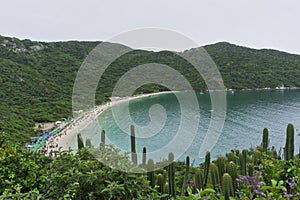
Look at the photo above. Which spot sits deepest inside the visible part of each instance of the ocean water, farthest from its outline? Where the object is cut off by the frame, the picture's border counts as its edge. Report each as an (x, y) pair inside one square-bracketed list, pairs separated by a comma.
[(158, 118)]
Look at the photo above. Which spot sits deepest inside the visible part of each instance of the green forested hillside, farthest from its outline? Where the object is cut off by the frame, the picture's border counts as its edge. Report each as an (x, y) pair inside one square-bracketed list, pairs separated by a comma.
[(250, 68), (37, 77)]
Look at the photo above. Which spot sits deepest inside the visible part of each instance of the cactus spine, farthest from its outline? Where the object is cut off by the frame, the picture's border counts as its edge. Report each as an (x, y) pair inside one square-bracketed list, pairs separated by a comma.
[(289, 145), (132, 140), (227, 186), (214, 176), (265, 140), (186, 176), (172, 186), (79, 141), (144, 157), (206, 168), (102, 143), (150, 172)]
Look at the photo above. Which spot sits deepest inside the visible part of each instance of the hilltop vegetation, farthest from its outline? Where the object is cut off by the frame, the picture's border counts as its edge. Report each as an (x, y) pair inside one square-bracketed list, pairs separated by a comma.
[(243, 67), (37, 77)]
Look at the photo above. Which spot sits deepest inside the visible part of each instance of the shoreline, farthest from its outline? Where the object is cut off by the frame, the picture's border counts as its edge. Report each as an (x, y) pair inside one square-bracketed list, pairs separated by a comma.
[(67, 137)]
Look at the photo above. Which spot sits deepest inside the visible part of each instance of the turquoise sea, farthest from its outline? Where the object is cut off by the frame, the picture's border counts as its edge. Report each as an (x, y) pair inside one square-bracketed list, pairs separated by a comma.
[(248, 112)]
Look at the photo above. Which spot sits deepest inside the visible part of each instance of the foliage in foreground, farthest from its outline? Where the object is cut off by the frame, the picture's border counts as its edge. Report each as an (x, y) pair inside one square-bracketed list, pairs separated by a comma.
[(67, 176)]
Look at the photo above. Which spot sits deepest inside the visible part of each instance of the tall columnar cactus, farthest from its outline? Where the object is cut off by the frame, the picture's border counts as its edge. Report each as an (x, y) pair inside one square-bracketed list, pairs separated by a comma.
[(227, 186), (199, 179), (186, 176), (102, 142), (237, 152), (166, 189), (231, 157), (265, 140), (250, 169), (232, 171), (171, 173), (206, 168), (257, 157), (289, 145), (221, 164), (150, 172), (161, 183), (144, 157), (214, 176), (132, 140), (165, 176), (88, 143), (240, 163), (79, 141), (243, 162)]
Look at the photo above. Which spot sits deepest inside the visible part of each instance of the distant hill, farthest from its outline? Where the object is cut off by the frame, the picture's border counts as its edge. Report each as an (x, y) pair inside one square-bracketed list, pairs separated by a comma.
[(37, 77), (243, 67)]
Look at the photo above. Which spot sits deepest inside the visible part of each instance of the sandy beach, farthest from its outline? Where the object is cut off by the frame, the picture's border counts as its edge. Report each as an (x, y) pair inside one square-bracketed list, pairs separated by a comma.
[(67, 138)]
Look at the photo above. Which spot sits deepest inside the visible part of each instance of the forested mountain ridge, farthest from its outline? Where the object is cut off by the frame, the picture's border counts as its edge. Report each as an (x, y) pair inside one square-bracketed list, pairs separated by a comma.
[(243, 67), (37, 77)]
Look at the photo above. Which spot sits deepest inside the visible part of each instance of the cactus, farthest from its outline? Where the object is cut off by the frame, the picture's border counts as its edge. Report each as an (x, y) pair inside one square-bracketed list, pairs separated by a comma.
[(240, 159), (161, 183), (102, 143), (289, 145), (171, 173), (88, 143), (186, 176), (237, 152), (227, 186), (221, 164), (132, 140), (199, 180), (150, 172), (257, 157), (206, 168), (166, 189), (165, 175), (250, 169), (243, 162), (280, 153), (274, 153), (232, 171), (231, 157), (79, 141), (265, 140), (214, 176), (144, 157)]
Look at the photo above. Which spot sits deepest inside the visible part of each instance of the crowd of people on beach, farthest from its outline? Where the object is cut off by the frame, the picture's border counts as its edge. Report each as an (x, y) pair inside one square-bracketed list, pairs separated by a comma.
[(53, 142)]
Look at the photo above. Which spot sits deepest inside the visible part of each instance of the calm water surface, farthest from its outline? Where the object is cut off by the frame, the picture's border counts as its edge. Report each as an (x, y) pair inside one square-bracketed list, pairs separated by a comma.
[(247, 114)]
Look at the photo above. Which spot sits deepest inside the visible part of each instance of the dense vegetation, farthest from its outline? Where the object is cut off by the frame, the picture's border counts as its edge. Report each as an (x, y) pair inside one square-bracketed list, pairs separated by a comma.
[(37, 77), (260, 173)]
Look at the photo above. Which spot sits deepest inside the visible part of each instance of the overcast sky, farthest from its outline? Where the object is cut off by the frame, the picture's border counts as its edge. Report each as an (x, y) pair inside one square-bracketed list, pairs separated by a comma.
[(253, 23)]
